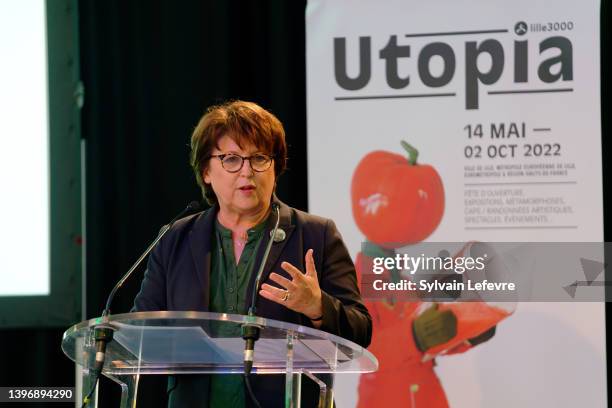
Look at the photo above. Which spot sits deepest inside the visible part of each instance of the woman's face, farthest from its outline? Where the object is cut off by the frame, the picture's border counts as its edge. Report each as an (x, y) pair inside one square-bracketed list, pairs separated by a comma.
[(245, 192)]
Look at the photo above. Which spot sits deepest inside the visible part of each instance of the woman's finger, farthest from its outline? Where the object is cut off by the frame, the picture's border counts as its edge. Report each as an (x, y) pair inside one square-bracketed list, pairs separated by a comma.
[(279, 293), (293, 271), (281, 280), (310, 265), (270, 296)]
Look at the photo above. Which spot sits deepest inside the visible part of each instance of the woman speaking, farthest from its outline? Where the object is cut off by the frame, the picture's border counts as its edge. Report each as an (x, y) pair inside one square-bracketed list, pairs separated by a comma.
[(208, 261)]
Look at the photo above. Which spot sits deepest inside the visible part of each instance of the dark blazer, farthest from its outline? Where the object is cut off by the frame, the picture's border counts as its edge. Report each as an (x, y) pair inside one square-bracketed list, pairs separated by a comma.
[(178, 276)]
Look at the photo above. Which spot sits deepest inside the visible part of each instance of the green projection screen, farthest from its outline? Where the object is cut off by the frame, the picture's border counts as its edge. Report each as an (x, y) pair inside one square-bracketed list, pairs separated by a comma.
[(40, 165)]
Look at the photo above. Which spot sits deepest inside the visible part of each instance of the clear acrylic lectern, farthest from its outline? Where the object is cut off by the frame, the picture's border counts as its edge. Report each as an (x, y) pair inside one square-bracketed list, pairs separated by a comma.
[(211, 343)]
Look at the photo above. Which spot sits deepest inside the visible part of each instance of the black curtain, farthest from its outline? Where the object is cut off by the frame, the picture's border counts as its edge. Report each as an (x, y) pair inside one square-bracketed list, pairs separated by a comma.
[(150, 69)]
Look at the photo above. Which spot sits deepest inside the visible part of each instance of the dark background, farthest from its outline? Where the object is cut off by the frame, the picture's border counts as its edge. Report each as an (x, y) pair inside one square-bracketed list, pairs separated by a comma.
[(149, 70)]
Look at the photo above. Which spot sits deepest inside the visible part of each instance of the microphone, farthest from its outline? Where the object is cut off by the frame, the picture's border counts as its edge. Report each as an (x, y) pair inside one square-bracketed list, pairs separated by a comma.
[(103, 334), (250, 331), (192, 207), (279, 236)]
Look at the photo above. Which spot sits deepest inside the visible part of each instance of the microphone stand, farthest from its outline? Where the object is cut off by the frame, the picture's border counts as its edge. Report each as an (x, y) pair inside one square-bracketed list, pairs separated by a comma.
[(251, 330), (103, 333)]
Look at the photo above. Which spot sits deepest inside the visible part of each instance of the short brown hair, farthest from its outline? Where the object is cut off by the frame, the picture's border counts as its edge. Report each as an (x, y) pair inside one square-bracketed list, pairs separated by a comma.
[(245, 122)]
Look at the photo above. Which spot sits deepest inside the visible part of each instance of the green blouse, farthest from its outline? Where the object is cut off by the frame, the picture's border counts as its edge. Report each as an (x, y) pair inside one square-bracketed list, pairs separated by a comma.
[(228, 294)]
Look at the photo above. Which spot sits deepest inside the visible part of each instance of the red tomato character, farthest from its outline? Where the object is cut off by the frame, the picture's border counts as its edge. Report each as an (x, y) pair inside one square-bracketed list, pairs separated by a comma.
[(396, 201)]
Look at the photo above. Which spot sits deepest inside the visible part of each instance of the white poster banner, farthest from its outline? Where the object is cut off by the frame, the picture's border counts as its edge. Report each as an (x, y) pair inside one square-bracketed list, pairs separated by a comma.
[(458, 121)]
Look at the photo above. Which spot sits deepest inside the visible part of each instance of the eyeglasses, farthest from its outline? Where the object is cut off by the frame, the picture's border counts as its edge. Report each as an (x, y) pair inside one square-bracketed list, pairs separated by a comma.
[(233, 162)]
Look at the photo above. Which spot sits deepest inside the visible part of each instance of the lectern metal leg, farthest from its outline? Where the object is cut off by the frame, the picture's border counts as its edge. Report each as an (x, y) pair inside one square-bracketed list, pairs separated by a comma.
[(326, 394), (293, 380), (129, 389)]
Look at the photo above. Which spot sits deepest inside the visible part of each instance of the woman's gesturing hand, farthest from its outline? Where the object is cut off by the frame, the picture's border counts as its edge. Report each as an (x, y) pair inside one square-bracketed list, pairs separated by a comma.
[(301, 293)]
